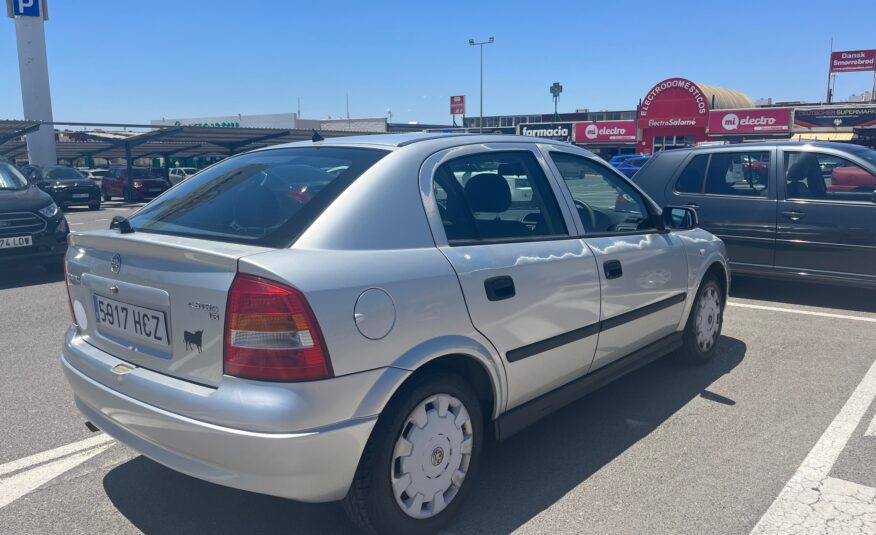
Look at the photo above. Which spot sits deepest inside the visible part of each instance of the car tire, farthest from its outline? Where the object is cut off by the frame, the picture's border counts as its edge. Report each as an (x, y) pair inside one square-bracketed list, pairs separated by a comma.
[(106, 196), (94, 205), (436, 452), (704, 324)]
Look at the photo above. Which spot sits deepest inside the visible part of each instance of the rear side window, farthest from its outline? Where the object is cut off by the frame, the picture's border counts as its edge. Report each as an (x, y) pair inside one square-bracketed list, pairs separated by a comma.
[(818, 176), (262, 198), (496, 196), (691, 179), (738, 173)]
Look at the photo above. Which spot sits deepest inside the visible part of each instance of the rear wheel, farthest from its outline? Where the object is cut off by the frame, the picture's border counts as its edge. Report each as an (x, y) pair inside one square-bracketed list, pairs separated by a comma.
[(419, 464), (704, 324)]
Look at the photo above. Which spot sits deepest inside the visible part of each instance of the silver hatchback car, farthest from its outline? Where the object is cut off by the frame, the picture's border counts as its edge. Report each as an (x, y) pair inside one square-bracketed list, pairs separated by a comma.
[(350, 319)]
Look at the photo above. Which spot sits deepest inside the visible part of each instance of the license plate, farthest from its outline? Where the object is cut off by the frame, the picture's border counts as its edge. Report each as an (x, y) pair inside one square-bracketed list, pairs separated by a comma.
[(17, 241), (135, 322), (80, 195)]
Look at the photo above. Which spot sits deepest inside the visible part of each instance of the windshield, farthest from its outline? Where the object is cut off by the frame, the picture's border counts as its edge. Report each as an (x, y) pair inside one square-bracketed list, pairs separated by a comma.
[(262, 198), (63, 173), (11, 178)]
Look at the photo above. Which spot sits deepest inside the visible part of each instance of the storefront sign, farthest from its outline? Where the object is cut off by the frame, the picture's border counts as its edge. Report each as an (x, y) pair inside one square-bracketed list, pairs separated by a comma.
[(558, 131), (830, 119), (605, 131), (457, 105), (853, 60), (672, 103), (750, 121)]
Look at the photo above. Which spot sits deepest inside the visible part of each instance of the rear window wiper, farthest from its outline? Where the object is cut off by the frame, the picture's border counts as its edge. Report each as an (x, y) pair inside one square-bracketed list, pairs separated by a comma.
[(121, 223)]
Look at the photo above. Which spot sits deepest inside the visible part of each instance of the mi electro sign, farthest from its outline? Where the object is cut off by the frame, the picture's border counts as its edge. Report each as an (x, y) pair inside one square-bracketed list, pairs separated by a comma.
[(27, 8)]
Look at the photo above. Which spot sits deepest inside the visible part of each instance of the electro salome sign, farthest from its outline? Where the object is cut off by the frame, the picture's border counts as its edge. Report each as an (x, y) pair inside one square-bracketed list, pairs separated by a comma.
[(853, 60)]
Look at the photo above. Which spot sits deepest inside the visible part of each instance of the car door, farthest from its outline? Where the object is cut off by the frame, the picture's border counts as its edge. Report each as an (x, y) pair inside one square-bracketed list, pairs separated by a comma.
[(531, 286), (643, 271), (734, 194), (827, 217)]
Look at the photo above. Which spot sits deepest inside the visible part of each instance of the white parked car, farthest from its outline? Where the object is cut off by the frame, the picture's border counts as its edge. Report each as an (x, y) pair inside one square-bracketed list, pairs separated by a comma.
[(178, 174), (353, 335)]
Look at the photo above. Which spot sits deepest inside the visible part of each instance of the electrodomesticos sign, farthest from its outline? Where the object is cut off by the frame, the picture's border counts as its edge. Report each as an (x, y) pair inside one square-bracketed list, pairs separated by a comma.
[(853, 60), (558, 131), (605, 131), (829, 119), (672, 103), (751, 121)]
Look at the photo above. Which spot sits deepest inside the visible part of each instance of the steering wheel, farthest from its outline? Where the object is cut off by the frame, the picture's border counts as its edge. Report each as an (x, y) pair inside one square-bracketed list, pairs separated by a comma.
[(589, 221)]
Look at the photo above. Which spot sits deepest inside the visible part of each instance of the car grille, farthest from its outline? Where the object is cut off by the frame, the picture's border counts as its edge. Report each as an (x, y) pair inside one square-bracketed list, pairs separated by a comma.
[(17, 223)]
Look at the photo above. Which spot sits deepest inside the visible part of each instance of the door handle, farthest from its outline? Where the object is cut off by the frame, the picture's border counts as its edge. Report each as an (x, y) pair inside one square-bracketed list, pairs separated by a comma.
[(500, 288), (794, 215), (613, 269)]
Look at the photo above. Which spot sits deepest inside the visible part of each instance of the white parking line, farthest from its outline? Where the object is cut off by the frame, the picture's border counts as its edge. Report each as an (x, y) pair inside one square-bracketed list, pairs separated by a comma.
[(32, 472), (804, 312), (75, 224), (812, 502)]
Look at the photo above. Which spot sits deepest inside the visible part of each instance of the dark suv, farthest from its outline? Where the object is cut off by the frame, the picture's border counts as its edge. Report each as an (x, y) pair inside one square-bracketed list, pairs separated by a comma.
[(33, 230), (140, 185), (804, 210), (66, 185)]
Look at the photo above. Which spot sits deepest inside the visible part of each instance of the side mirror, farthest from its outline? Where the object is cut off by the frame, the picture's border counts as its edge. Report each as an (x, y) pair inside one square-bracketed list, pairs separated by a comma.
[(680, 218)]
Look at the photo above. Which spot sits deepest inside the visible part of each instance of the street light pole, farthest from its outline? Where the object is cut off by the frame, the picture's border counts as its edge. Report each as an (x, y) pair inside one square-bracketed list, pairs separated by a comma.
[(481, 44)]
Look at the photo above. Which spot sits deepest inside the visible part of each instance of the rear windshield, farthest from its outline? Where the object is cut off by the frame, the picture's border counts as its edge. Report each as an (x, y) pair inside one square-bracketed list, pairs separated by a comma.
[(262, 198), (63, 173), (10, 177)]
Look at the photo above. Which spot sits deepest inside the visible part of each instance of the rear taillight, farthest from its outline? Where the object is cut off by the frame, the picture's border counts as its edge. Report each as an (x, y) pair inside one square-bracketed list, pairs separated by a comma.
[(271, 333)]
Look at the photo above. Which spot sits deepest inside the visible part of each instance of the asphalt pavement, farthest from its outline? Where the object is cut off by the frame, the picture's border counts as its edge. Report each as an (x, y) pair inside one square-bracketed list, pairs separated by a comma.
[(667, 449)]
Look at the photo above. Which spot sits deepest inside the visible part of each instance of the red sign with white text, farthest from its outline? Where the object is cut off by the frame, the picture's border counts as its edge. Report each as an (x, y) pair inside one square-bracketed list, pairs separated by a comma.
[(853, 60), (674, 103), (750, 121), (605, 131), (457, 105)]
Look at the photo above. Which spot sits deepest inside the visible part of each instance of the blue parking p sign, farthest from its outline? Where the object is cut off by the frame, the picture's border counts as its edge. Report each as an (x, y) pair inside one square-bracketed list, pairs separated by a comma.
[(26, 8)]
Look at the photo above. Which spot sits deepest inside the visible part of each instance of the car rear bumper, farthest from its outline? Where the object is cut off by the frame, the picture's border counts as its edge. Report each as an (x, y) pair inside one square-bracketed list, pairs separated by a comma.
[(317, 465)]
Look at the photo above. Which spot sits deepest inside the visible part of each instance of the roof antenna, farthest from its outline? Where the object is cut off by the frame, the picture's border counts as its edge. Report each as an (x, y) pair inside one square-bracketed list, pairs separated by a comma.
[(316, 137)]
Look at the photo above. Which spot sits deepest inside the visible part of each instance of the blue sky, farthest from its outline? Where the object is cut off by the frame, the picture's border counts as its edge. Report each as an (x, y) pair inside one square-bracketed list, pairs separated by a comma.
[(135, 60)]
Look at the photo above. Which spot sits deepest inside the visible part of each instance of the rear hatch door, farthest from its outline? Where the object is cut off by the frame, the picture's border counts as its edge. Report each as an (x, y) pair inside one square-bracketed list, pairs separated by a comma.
[(155, 301)]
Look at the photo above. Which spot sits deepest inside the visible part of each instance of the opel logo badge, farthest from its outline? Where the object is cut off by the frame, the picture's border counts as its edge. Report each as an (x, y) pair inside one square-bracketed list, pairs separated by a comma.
[(116, 263), (437, 456)]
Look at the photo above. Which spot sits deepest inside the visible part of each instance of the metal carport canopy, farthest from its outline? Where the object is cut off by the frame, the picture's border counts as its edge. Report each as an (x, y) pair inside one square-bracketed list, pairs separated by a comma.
[(234, 140), (11, 130)]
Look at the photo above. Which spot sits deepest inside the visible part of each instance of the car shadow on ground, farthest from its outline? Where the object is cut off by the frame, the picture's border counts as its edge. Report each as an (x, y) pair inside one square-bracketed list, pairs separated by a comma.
[(29, 276), (514, 484), (804, 294)]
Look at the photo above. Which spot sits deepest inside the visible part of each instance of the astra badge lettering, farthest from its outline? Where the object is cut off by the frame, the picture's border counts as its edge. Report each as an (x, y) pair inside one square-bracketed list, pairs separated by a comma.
[(116, 263)]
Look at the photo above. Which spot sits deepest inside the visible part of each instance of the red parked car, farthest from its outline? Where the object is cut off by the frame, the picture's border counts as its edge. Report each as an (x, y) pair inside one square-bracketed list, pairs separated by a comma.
[(141, 185)]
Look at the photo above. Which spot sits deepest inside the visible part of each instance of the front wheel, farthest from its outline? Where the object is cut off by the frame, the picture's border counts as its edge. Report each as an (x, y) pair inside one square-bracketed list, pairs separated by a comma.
[(704, 324), (419, 464)]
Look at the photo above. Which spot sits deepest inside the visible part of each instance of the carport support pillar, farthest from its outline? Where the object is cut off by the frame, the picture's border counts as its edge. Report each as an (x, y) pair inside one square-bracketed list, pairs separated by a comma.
[(129, 161)]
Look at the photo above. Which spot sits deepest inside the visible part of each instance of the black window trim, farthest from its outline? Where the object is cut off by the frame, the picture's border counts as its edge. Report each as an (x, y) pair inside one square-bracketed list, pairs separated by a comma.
[(497, 241)]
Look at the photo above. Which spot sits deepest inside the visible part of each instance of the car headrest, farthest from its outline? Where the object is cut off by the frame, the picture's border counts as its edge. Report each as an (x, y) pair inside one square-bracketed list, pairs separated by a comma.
[(488, 192), (797, 172), (511, 169)]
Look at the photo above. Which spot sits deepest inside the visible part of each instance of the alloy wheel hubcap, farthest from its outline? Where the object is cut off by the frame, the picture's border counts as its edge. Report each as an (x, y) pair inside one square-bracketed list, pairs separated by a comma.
[(431, 456), (708, 318)]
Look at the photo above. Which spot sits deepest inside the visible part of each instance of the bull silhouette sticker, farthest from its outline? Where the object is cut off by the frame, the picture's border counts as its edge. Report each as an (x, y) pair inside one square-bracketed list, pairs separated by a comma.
[(193, 339)]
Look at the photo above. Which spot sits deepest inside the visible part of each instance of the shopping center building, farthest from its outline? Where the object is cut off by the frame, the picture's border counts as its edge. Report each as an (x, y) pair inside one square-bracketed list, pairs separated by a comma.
[(678, 112)]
